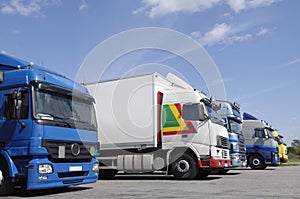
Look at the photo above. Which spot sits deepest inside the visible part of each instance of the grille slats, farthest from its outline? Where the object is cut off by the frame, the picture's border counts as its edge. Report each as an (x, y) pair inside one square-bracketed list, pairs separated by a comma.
[(241, 144), (225, 154), (53, 150), (222, 142)]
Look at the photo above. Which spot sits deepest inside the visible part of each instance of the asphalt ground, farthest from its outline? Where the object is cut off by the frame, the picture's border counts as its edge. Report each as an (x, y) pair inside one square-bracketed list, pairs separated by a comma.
[(273, 182)]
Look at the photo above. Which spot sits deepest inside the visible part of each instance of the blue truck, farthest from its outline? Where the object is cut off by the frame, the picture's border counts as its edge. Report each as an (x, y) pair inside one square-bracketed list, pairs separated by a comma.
[(230, 112), (261, 146), (48, 129)]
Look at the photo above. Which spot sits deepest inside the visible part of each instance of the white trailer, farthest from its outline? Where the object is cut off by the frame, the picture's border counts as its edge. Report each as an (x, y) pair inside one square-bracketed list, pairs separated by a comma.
[(148, 123)]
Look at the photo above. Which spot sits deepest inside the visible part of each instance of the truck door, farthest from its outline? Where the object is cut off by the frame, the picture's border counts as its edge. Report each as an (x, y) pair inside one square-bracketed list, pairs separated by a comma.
[(14, 123)]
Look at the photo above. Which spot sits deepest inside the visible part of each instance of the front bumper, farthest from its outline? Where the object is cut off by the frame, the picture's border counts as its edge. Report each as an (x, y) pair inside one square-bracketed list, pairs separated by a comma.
[(214, 163), (238, 160), (64, 174)]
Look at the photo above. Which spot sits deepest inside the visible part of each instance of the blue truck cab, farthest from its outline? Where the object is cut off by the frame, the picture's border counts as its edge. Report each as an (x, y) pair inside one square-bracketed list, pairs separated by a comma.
[(230, 112), (48, 129), (261, 146)]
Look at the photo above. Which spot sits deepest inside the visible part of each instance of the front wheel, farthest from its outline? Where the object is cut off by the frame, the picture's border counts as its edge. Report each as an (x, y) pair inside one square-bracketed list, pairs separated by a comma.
[(6, 186), (257, 162), (185, 168)]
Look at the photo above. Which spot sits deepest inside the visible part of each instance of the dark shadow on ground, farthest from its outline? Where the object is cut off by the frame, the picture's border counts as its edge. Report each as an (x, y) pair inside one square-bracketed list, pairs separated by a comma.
[(155, 177), (47, 192)]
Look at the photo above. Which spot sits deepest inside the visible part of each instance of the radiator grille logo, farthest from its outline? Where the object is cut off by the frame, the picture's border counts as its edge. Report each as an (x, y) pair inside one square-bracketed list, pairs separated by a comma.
[(75, 149)]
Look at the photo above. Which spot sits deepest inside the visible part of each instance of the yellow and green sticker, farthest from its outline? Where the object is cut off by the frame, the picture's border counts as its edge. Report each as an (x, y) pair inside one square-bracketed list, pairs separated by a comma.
[(173, 123)]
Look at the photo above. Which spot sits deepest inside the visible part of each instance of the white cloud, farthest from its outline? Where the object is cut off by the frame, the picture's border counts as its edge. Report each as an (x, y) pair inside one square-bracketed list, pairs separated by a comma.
[(163, 7), (83, 5), (218, 34), (227, 34), (239, 5), (293, 62), (263, 31), (25, 7), (158, 8)]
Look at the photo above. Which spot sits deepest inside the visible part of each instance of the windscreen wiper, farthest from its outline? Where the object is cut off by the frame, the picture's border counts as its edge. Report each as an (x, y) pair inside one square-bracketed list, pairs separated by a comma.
[(59, 119)]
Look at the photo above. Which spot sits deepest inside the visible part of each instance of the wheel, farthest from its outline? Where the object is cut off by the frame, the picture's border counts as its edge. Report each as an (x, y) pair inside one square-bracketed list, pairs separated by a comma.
[(257, 162), (6, 186), (107, 174), (185, 168)]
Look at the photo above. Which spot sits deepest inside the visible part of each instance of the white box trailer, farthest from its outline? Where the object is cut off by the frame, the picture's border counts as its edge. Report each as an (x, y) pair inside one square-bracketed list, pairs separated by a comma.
[(149, 123)]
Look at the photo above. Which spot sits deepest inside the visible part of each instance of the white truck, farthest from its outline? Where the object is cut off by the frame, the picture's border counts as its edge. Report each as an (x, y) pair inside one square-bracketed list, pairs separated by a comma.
[(150, 123)]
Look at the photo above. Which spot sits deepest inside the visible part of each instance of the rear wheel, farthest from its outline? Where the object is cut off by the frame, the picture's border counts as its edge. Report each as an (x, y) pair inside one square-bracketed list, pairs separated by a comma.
[(185, 168), (257, 162), (107, 174), (6, 186)]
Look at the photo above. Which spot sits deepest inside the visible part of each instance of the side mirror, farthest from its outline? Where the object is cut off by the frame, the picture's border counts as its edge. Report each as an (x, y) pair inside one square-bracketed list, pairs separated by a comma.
[(17, 97), (193, 112), (13, 104)]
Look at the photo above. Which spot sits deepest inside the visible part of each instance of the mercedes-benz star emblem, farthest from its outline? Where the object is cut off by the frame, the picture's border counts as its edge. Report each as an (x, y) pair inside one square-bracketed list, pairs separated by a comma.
[(75, 149)]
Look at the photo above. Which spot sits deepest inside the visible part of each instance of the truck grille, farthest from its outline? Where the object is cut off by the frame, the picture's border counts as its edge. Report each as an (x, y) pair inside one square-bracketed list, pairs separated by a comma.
[(241, 144), (222, 142), (66, 155), (225, 154)]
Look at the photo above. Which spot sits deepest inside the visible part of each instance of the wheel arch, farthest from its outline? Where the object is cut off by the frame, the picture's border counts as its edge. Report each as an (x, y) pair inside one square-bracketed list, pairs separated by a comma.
[(5, 158), (253, 154), (176, 152)]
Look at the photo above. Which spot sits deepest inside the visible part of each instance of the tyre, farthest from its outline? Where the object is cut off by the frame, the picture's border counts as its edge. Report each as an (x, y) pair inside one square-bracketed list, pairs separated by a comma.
[(257, 162), (185, 168), (107, 174), (6, 186)]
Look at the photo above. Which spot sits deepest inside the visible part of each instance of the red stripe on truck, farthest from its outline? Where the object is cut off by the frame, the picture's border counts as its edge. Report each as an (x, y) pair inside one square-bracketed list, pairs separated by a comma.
[(159, 104)]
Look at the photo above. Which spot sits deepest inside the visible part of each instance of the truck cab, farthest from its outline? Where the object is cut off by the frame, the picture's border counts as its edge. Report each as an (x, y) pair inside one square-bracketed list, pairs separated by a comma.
[(261, 147), (230, 112), (48, 129)]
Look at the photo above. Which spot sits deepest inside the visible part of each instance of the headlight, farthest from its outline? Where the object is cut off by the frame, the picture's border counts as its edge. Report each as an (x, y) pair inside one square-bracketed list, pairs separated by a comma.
[(95, 167), (45, 169)]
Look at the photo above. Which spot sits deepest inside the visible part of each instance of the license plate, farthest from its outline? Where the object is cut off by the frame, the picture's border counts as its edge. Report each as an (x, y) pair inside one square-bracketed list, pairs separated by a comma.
[(226, 165), (75, 168)]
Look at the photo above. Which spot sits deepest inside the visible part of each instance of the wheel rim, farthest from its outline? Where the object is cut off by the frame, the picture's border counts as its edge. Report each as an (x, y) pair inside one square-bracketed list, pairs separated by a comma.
[(256, 162), (183, 166)]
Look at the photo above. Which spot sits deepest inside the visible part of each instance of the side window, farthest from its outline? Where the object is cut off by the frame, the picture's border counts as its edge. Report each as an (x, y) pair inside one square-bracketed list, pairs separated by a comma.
[(260, 133), (13, 100)]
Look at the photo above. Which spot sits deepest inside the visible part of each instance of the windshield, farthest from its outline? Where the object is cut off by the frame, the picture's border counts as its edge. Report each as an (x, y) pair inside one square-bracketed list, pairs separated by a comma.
[(235, 127), (214, 116), (270, 133), (56, 107)]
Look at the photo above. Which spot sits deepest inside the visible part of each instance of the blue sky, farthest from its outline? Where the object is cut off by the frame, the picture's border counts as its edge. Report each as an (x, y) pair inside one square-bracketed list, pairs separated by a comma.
[(254, 43)]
